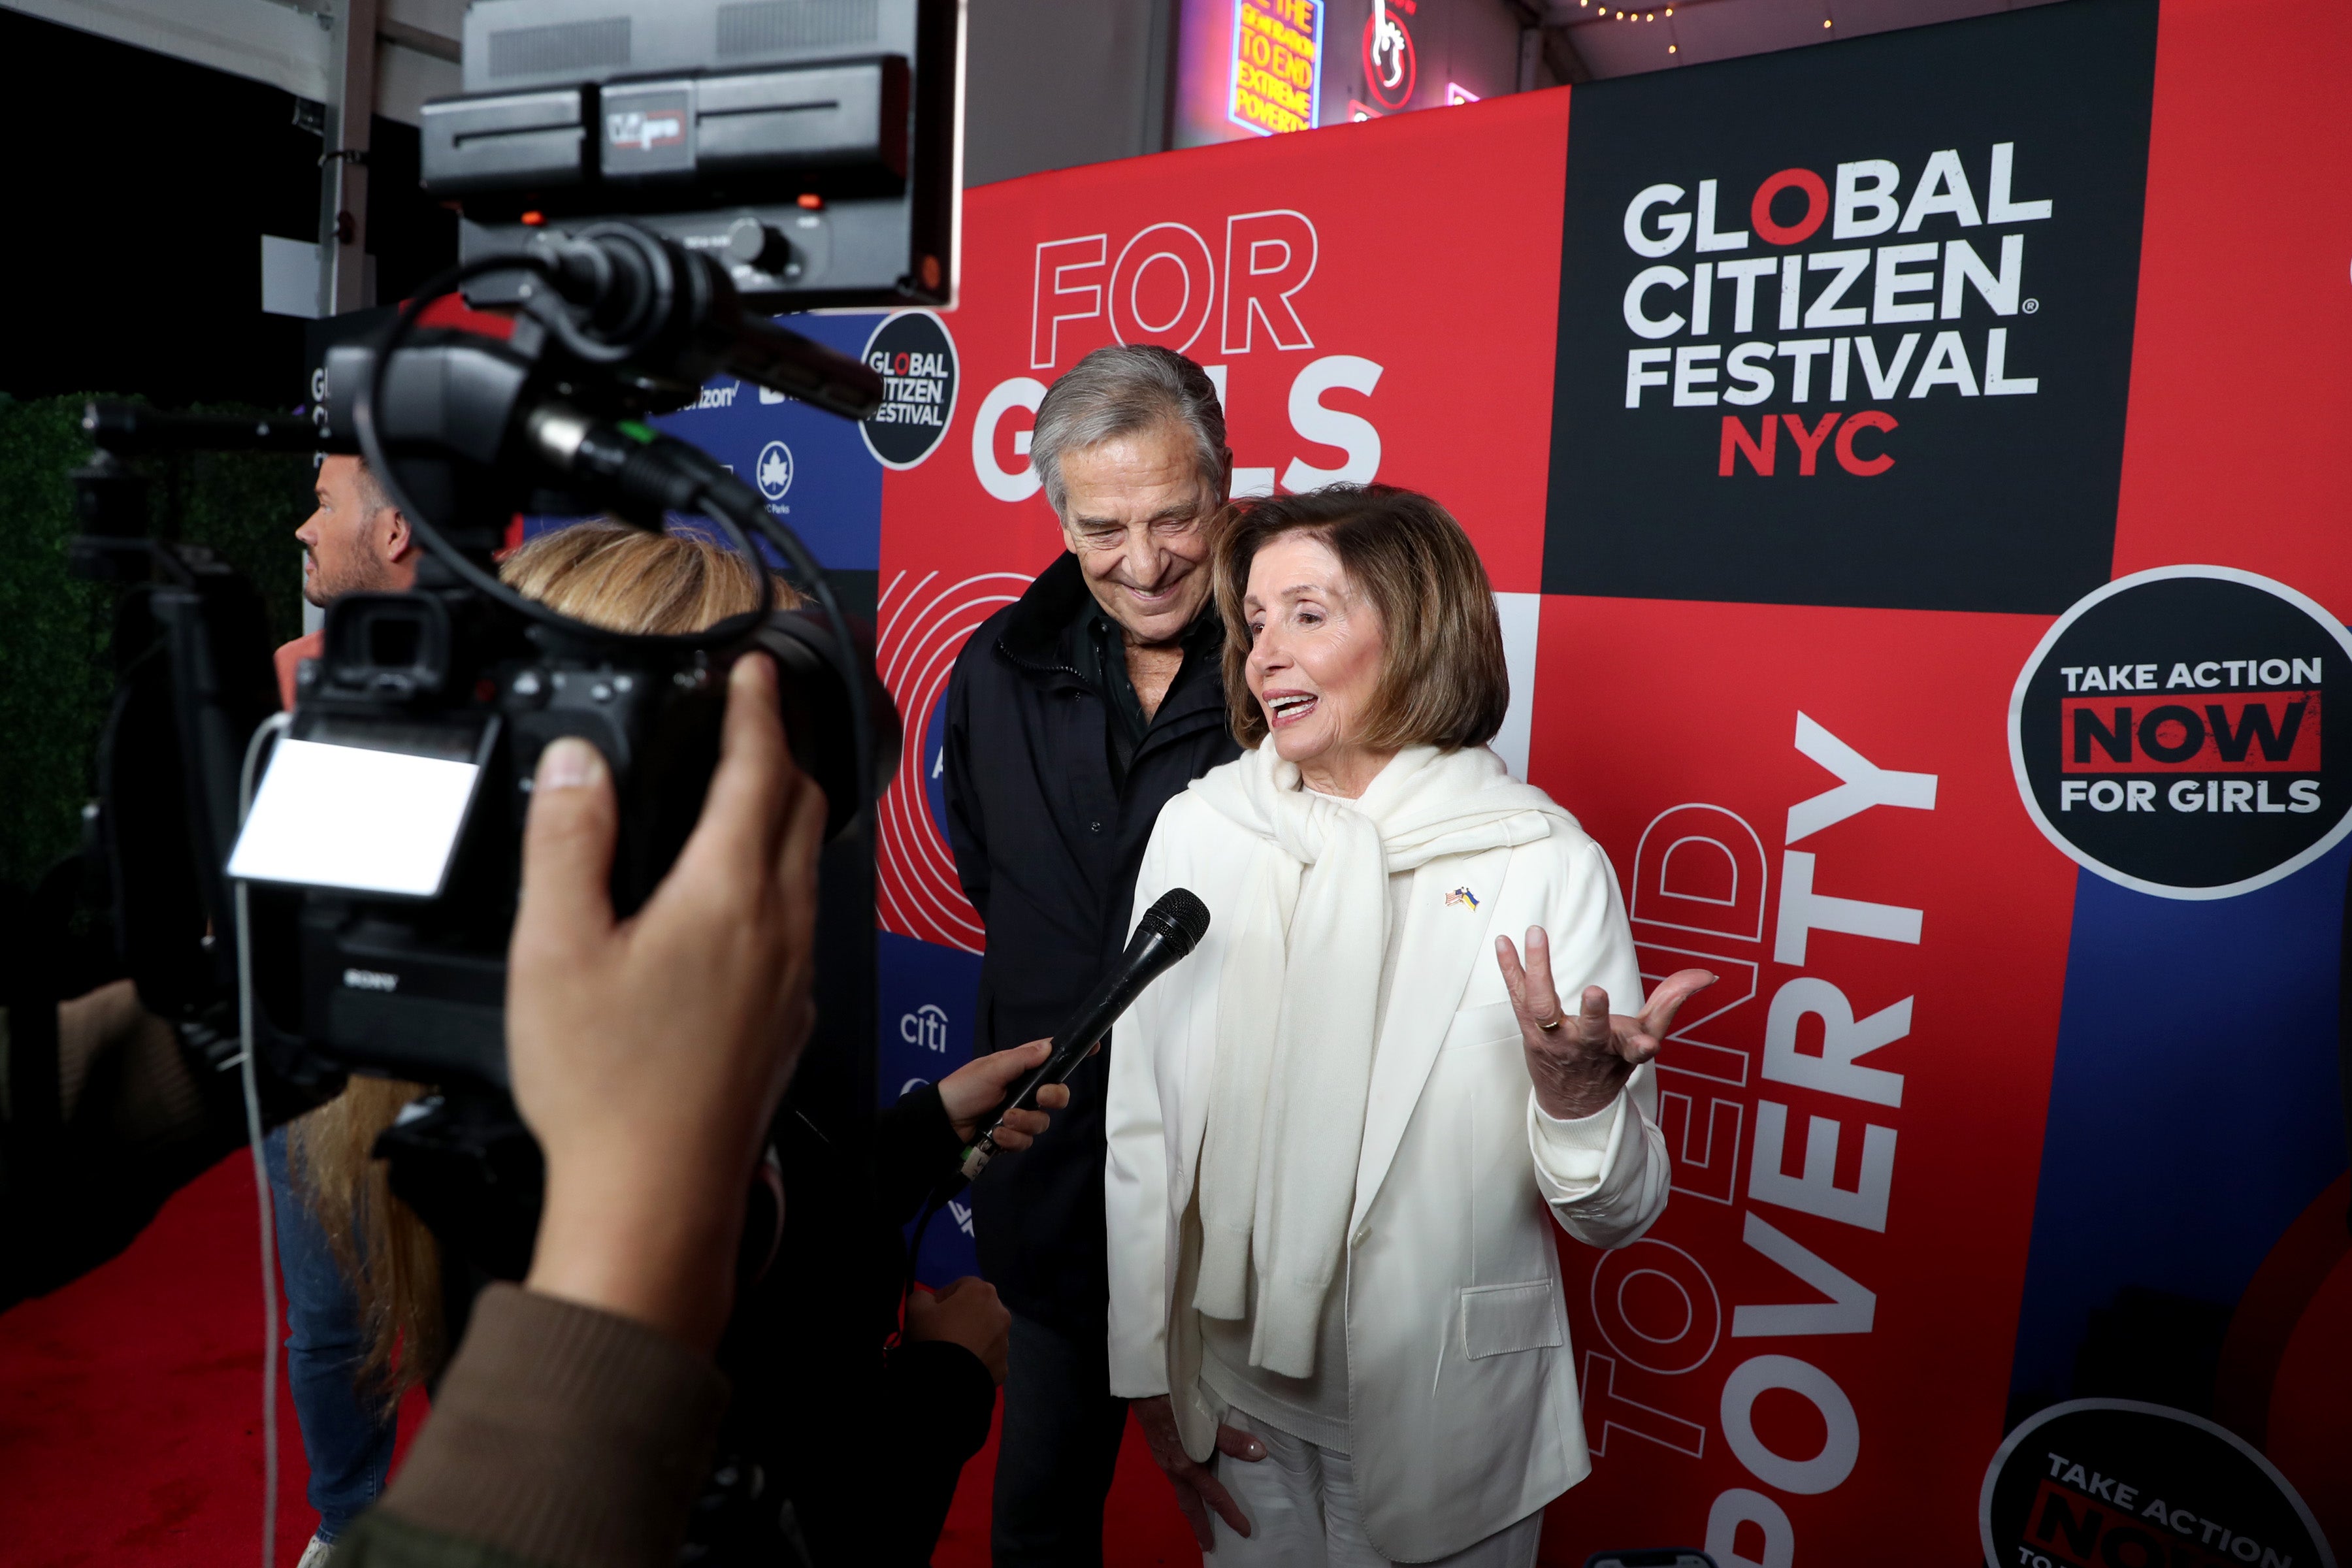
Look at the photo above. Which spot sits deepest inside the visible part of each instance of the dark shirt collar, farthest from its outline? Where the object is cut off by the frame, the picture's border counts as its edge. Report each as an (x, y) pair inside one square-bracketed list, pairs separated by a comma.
[(1038, 632)]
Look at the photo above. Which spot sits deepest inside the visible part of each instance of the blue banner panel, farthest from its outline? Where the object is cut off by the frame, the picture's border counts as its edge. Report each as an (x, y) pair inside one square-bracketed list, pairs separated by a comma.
[(929, 994), (813, 469)]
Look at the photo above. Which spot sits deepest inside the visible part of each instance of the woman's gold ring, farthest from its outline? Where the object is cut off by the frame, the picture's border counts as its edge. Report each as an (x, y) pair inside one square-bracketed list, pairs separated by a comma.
[(1548, 1028)]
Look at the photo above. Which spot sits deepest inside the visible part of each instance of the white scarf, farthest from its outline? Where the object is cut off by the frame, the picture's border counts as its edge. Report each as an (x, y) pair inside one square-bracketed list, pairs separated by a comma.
[(1296, 1015)]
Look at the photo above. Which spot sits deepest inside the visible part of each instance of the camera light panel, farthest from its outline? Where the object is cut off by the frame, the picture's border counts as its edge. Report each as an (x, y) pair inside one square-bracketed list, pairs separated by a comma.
[(354, 817)]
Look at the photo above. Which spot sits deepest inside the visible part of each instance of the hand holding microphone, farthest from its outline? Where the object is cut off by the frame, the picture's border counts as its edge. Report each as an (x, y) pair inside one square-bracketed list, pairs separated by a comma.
[(1168, 930), (976, 1091)]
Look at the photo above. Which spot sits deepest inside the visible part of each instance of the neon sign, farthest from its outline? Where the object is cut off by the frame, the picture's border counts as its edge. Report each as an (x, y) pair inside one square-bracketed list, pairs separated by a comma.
[(1277, 64)]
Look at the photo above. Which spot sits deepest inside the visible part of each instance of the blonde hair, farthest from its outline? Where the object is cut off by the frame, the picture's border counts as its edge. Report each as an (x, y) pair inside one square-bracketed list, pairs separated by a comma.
[(623, 579)]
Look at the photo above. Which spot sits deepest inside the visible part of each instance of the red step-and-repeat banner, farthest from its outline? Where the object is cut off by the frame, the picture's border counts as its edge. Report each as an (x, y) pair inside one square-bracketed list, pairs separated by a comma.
[(1915, 476)]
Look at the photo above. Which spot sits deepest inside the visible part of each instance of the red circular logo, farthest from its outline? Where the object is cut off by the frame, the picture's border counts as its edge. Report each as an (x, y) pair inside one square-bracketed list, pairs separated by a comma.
[(1388, 65)]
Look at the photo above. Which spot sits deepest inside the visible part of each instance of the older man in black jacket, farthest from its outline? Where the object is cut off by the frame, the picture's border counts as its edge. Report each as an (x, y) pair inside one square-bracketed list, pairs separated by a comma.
[(1073, 717)]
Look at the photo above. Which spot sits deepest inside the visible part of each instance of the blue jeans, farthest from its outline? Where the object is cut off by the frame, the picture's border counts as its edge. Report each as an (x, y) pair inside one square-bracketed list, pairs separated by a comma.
[(345, 1436)]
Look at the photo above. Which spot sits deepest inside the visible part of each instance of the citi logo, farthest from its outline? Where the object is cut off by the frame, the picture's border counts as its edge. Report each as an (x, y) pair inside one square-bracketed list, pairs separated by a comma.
[(370, 980), (926, 1026)]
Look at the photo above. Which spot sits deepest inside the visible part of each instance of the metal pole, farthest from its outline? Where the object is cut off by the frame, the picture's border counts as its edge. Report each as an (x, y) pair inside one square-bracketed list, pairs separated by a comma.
[(343, 185), (343, 176)]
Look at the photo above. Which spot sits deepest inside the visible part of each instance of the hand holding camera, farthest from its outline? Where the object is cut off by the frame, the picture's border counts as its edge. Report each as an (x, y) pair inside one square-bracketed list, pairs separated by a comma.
[(648, 1054)]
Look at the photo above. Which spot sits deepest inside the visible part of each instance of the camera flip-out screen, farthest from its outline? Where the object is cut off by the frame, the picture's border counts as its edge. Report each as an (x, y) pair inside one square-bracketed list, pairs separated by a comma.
[(374, 814)]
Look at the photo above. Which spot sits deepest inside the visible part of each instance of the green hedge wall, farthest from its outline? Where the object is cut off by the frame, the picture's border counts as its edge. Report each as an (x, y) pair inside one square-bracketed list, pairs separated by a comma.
[(56, 664)]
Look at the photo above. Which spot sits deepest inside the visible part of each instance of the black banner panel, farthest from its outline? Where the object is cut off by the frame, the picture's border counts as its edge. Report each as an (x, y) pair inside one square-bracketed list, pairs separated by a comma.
[(1860, 334)]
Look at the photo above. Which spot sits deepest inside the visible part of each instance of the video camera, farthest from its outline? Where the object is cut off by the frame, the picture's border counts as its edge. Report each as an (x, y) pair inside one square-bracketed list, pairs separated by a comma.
[(641, 182)]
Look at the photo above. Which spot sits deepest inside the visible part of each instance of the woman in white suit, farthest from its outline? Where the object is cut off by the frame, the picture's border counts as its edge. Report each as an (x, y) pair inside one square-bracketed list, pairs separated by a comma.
[(1340, 1131)]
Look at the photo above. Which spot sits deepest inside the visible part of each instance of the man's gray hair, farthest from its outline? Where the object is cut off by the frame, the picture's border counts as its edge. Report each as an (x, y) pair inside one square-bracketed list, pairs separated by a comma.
[(1117, 391)]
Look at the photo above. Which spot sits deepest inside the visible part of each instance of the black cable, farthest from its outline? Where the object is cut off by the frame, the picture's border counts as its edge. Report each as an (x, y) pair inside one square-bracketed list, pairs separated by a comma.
[(371, 447), (722, 493), (730, 502)]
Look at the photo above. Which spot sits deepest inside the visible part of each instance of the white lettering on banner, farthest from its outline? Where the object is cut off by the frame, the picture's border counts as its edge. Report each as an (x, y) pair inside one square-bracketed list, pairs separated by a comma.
[(926, 1026), (1639, 372), (1675, 227), (1057, 298), (1312, 418), (1708, 239), (1843, 1038), (1853, 198), (1858, 296), (1806, 1478), (1739, 1506), (1817, 1191), (1943, 188), (1964, 268), (1670, 1327), (1709, 894), (1742, 275), (1862, 784), (1850, 1309), (1275, 253), (1607, 1410), (1157, 248), (1351, 433), (1803, 911), (1999, 208), (1825, 311), (1005, 484), (1637, 317), (1268, 259)]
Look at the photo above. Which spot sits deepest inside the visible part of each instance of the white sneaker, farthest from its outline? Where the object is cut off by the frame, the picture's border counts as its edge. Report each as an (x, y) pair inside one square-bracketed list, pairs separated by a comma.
[(315, 1555)]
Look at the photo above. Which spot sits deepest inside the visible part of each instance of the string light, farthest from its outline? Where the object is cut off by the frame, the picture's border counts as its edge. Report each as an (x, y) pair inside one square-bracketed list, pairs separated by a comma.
[(1669, 48), (1825, 21)]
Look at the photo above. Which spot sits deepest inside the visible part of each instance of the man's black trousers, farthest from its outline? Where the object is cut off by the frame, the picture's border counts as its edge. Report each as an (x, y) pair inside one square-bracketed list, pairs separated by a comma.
[(1058, 1450)]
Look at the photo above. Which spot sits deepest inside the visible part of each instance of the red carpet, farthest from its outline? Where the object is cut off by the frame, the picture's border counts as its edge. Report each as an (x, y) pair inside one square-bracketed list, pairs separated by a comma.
[(131, 1430)]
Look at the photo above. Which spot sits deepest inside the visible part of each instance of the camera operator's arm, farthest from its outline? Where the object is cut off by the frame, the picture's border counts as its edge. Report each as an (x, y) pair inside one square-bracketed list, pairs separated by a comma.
[(101, 1119), (575, 1425)]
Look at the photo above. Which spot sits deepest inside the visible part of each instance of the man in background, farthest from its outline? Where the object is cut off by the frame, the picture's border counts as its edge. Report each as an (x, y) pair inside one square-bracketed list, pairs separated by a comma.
[(356, 541), (1074, 715)]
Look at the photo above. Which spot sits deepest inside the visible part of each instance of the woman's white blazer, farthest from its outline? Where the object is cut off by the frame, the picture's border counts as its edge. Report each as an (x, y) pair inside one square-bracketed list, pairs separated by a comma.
[(1462, 1402)]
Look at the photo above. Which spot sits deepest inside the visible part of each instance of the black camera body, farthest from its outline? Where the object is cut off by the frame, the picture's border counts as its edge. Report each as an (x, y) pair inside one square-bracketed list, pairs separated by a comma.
[(467, 431), (625, 295), (416, 987)]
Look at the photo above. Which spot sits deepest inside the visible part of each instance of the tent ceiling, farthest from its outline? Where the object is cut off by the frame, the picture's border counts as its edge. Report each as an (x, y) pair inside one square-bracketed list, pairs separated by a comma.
[(282, 42), (1670, 33)]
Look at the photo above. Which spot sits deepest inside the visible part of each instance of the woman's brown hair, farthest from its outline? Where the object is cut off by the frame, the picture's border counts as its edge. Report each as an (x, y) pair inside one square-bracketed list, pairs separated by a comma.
[(1443, 680), (612, 575)]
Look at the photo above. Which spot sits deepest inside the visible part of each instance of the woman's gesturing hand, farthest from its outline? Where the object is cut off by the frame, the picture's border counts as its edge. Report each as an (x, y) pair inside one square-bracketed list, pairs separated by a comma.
[(974, 1089), (1579, 1062), (1197, 1488), (648, 1054)]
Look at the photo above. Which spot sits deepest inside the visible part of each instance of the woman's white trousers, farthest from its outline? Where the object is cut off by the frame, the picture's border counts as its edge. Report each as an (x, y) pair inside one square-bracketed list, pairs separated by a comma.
[(1304, 1512)]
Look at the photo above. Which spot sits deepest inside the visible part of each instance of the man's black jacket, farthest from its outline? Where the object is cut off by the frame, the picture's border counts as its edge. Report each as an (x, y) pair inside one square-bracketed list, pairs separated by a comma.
[(1047, 847)]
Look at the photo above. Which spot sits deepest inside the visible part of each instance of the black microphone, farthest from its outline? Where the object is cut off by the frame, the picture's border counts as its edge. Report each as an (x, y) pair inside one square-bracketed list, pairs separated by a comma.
[(1168, 930)]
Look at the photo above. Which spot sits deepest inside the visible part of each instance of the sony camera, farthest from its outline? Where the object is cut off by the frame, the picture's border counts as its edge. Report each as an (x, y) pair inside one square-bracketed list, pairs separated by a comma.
[(641, 186)]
